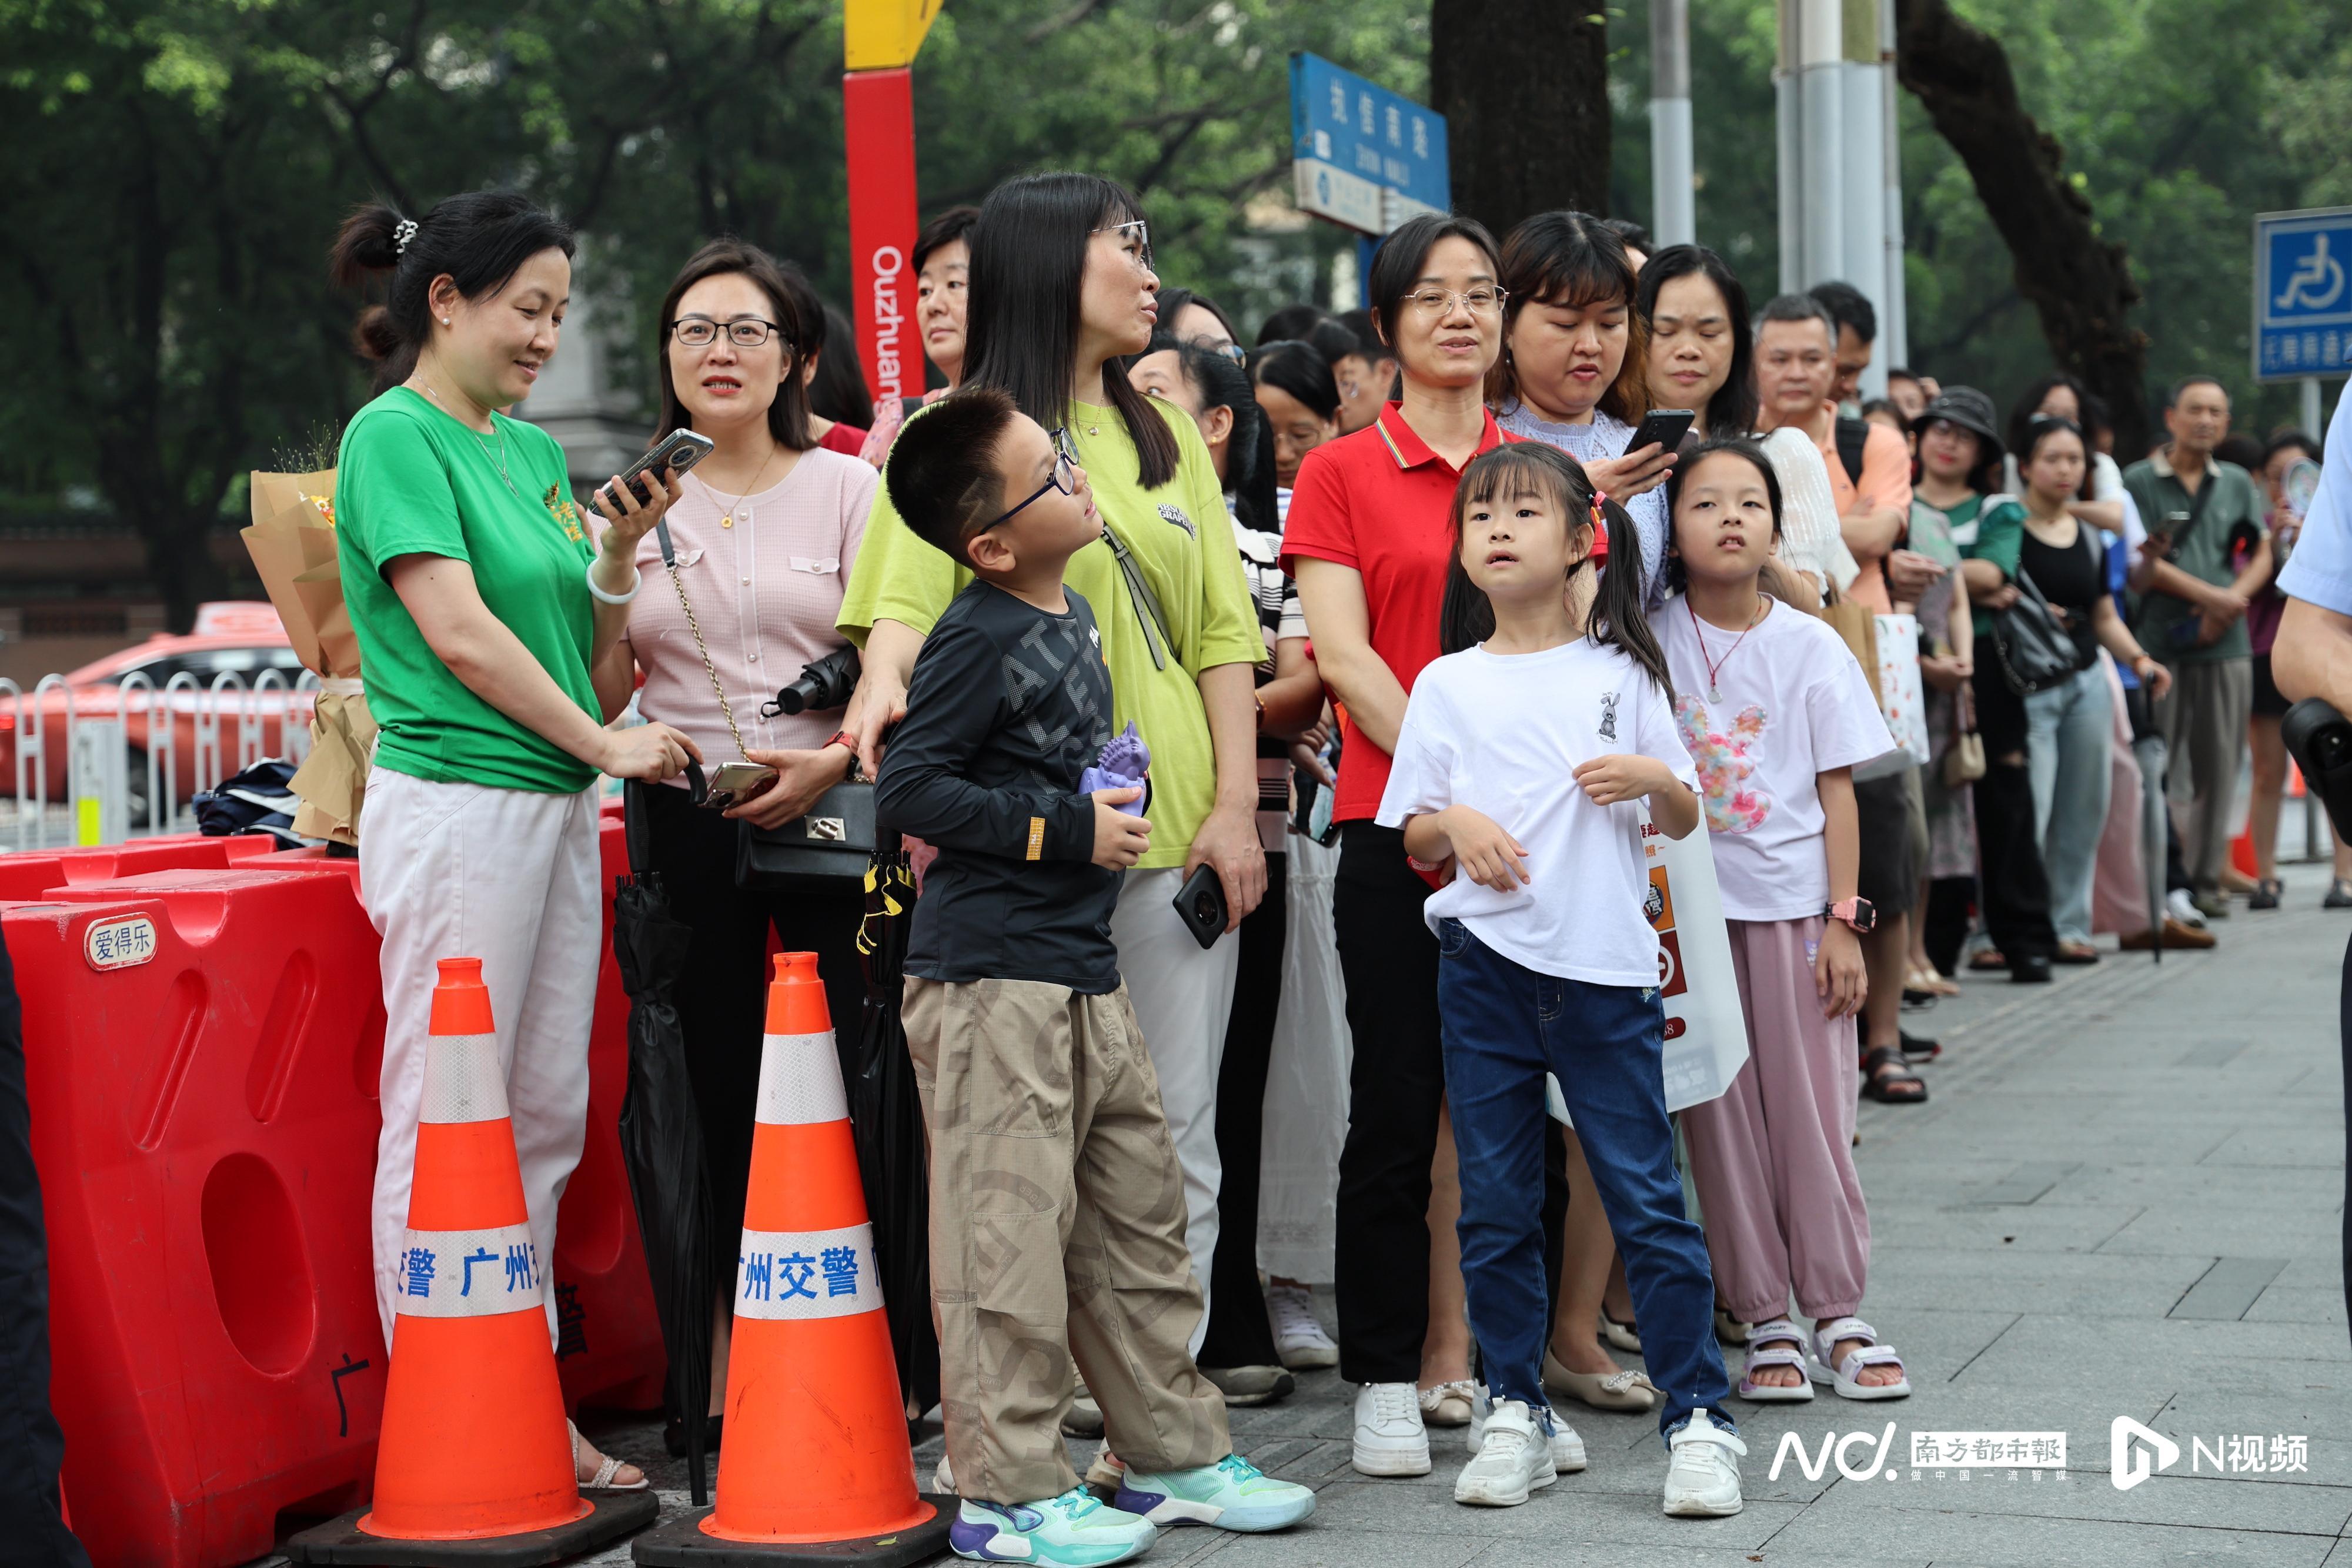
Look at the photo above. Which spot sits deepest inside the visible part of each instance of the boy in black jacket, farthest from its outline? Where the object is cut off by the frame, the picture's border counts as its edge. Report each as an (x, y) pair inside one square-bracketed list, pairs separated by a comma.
[(1057, 1204)]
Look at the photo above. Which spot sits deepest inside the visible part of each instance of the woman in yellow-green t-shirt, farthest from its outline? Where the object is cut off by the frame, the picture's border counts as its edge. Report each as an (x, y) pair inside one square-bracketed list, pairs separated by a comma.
[(1061, 289)]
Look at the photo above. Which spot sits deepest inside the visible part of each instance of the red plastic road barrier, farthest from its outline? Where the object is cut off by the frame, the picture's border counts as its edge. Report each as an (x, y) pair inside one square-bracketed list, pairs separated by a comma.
[(31, 873), (202, 1057), (223, 1064)]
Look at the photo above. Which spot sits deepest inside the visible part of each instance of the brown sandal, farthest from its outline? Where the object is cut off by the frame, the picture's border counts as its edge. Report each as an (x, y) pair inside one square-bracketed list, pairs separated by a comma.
[(1885, 1080)]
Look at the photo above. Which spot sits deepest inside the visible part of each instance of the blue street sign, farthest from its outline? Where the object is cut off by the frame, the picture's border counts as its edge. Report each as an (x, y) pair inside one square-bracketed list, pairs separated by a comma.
[(1361, 155), (2303, 294)]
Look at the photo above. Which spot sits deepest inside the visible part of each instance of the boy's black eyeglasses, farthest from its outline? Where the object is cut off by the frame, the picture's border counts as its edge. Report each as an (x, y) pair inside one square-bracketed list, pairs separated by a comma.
[(1061, 478)]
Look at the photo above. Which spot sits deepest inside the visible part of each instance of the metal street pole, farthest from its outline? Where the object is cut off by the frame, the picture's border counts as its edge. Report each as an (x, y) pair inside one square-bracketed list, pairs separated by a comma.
[(2312, 416), (1673, 218), (1819, 66), (1894, 328), (1787, 107)]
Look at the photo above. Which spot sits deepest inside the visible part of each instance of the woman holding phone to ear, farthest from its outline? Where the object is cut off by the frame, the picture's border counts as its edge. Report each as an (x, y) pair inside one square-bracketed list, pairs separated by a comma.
[(764, 533), (482, 608)]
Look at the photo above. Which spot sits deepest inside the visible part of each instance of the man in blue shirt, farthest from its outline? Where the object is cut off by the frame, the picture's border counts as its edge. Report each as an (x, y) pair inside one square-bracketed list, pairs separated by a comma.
[(2313, 655)]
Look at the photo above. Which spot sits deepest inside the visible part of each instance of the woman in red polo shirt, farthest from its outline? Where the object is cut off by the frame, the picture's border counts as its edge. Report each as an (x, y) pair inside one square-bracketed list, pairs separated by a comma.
[(1368, 538)]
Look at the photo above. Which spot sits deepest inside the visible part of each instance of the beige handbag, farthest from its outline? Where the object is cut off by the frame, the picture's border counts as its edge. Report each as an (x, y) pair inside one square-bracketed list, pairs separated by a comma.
[(1964, 762)]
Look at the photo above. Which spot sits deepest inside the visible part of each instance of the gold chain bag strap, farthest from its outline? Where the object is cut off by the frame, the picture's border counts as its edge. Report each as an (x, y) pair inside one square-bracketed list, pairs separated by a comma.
[(836, 837)]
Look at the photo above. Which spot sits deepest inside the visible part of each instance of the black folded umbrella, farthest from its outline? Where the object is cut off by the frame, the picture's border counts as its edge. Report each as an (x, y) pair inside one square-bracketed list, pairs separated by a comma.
[(887, 1113), (661, 1137)]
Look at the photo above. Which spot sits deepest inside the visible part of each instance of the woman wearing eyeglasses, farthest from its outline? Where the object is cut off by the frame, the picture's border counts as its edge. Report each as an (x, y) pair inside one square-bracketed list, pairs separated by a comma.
[(764, 533), (1062, 292), (1370, 538)]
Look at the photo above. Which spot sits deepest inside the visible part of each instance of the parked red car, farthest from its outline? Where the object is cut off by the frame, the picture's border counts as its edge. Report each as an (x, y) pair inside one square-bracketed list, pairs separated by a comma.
[(233, 638)]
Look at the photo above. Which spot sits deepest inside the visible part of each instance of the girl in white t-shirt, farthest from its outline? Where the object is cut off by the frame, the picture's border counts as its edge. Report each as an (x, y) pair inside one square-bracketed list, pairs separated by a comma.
[(1524, 757), (1776, 713)]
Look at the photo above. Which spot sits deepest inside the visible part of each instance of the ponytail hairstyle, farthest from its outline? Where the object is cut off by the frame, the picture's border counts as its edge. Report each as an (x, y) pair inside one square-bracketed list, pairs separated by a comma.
[(479, 240), (1677, 577), (1022, 313), (1466, 617)]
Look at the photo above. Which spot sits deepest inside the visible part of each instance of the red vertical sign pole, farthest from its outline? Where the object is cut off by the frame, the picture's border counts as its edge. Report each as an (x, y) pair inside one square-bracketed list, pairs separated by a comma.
[(878, 109)]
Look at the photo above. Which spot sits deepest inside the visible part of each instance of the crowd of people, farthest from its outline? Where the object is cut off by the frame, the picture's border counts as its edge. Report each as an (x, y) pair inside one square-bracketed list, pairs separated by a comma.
[(1275, 726)]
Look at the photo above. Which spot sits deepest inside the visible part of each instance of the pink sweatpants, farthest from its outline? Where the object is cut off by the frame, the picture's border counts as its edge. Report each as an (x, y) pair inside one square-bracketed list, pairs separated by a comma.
[(1774, 1157)]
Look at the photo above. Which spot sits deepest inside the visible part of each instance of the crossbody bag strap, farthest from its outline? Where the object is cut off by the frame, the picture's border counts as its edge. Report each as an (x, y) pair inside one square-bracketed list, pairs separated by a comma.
[(726, 708), (1147, 603)]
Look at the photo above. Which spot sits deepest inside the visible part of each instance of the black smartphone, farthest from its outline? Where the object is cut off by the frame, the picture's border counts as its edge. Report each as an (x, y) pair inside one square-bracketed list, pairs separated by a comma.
[(1662, 427), (681, 449), (1201, 905)]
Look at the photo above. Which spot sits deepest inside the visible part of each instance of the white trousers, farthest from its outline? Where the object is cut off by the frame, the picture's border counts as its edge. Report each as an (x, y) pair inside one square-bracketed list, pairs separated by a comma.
[(1182, 997), (507, 876)]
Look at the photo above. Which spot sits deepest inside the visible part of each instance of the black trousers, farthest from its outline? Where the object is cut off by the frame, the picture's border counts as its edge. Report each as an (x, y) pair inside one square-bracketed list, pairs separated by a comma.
[(2344, 1033), (2014, 886), (31, 1445), (1239, 1335), (722, 1000), (1388, 959)]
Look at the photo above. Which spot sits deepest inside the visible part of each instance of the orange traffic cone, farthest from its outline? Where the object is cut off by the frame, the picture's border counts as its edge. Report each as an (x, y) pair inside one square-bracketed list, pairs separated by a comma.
[(474, 1446), (817, 1455)]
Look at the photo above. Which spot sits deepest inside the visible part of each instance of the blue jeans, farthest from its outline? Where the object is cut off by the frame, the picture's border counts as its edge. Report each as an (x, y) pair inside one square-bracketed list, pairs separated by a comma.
[(2068, 731), (1504, 1027)]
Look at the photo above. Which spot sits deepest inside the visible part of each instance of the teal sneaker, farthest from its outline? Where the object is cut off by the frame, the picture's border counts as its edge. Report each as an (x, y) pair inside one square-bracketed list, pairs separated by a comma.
[(1231, 1494), (1072, 1531)]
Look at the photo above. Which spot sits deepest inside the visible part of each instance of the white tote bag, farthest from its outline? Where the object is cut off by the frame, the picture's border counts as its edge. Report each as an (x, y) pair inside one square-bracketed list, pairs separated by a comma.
[(1706, 1032), (1902, 697)]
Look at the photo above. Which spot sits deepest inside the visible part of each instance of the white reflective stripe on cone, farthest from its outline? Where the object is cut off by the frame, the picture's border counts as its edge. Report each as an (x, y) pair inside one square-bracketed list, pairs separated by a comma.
[(800, 1080), (807, 1274), (468, 1273), (462, 1080)]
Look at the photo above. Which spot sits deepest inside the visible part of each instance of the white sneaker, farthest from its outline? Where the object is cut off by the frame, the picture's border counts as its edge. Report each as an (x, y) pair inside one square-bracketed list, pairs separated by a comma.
[(1390, 1438), (1298, 1338), (1703, 1476), (2182, 906), (1513, 1459), (1567, 1447)]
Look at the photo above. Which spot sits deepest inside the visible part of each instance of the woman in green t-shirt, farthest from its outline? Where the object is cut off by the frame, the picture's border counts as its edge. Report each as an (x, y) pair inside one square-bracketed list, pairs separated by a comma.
[(480, 608), (1062, 292)]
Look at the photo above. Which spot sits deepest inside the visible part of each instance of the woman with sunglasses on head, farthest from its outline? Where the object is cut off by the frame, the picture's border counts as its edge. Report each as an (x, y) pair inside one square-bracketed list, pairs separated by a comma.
[(1571, 375), (764, 533), (1061, 294), (1369, 539), (941, 263)]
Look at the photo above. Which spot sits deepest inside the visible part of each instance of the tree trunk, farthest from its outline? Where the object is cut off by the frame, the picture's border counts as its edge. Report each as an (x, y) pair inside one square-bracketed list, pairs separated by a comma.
[(2079, 284), (1524, 87)]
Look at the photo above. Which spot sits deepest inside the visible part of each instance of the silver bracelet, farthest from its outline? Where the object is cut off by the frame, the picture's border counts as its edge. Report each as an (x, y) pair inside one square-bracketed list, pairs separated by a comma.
[(637, 580)]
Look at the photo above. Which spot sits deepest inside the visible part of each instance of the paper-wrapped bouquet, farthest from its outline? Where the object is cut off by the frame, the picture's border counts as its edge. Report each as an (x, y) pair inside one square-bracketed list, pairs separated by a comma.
[(292, 541)]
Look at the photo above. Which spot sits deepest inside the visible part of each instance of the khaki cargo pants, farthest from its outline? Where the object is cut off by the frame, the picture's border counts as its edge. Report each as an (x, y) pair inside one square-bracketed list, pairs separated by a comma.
[(1057, 1230)]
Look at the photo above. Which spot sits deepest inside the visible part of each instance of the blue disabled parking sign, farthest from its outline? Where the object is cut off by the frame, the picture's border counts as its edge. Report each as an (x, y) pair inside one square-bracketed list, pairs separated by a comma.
[(2303, 294)]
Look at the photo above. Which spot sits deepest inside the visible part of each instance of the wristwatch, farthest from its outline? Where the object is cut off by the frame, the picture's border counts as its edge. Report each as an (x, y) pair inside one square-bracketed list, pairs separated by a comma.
[(1858, 913)]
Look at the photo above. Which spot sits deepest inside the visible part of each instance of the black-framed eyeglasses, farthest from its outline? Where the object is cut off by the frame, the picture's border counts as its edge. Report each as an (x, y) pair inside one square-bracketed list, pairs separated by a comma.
[(701, 331), (1062, 478), (1137, 230)]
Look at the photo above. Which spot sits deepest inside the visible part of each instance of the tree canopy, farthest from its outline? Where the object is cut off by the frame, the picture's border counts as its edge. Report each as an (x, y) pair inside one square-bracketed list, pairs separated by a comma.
[(177, 167)]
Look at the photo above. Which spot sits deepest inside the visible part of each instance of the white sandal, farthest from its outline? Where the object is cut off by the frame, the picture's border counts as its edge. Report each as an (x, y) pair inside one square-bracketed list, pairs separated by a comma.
[(1448, 1404), (605, 1471), (1777, 1343), (1843, 1376)]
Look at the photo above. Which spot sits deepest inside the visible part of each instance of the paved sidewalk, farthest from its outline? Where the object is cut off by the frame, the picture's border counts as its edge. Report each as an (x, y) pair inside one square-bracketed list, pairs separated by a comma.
[(2124, 1198)]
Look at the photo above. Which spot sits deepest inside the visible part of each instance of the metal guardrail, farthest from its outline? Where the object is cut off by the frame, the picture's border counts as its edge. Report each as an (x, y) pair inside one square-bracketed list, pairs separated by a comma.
[(98, 765)]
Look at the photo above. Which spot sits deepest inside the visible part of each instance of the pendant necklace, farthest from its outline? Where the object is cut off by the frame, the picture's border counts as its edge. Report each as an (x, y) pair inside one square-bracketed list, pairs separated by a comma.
[(500, 461), (727, 513), (1714, 689)]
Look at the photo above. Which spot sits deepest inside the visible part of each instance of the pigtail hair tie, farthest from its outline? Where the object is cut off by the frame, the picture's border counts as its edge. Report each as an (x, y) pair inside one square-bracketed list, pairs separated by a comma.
[(402, 233)]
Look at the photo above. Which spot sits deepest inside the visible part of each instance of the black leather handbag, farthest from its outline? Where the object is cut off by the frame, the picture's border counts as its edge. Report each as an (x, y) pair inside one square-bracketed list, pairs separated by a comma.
[(2035, 653), (836, 839)]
